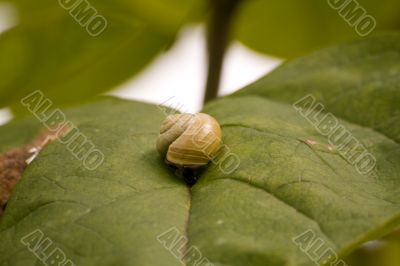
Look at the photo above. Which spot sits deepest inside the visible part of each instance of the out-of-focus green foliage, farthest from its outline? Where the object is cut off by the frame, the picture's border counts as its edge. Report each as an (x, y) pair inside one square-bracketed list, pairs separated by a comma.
[(385, 252), (289, 28), (48, 50)]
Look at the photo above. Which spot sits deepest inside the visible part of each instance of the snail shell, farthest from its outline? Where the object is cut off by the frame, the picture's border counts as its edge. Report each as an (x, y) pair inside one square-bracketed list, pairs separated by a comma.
[(189, 140)]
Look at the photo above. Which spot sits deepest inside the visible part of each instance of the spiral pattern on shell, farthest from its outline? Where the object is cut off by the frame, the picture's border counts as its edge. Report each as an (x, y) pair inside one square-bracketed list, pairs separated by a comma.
[(189, 139)]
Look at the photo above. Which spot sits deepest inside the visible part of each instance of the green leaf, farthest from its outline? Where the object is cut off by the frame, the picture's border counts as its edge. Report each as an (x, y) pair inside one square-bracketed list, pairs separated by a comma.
[(358, 82), (383, 253), (18, 133), (48, 50), (291, 28), (79, 204), (288, 182)]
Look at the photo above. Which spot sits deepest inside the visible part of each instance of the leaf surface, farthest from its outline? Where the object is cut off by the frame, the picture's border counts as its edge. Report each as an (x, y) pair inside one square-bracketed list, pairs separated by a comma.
[(358, 82), (288, 181)]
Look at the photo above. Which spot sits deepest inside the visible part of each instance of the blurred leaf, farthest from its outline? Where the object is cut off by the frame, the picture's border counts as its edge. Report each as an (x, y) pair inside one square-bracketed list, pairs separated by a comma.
[(283, 186), (49, 51), (290, 28), (377, 253), (18, 134)]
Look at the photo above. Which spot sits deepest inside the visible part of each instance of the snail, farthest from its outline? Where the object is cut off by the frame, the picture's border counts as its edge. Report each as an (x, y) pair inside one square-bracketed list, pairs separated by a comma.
[(188, 142)]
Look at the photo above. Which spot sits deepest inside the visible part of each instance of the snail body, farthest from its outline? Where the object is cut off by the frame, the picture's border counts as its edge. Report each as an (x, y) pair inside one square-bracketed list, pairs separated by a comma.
[(188, 142)]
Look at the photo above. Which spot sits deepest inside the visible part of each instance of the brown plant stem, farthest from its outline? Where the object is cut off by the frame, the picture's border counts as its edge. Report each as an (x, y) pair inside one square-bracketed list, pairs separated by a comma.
[(218, 38)]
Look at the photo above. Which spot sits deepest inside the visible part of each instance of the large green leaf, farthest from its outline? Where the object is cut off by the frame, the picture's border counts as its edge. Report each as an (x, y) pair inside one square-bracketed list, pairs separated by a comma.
[(48, 50), (284, 186), (359, 82), (289, 28)]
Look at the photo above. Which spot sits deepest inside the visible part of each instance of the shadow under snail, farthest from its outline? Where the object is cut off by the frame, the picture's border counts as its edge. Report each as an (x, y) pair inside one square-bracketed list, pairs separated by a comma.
[(188, 142)]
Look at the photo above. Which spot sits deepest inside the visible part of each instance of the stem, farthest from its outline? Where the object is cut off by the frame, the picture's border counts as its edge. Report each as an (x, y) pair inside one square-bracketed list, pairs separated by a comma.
[(218, 37)]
